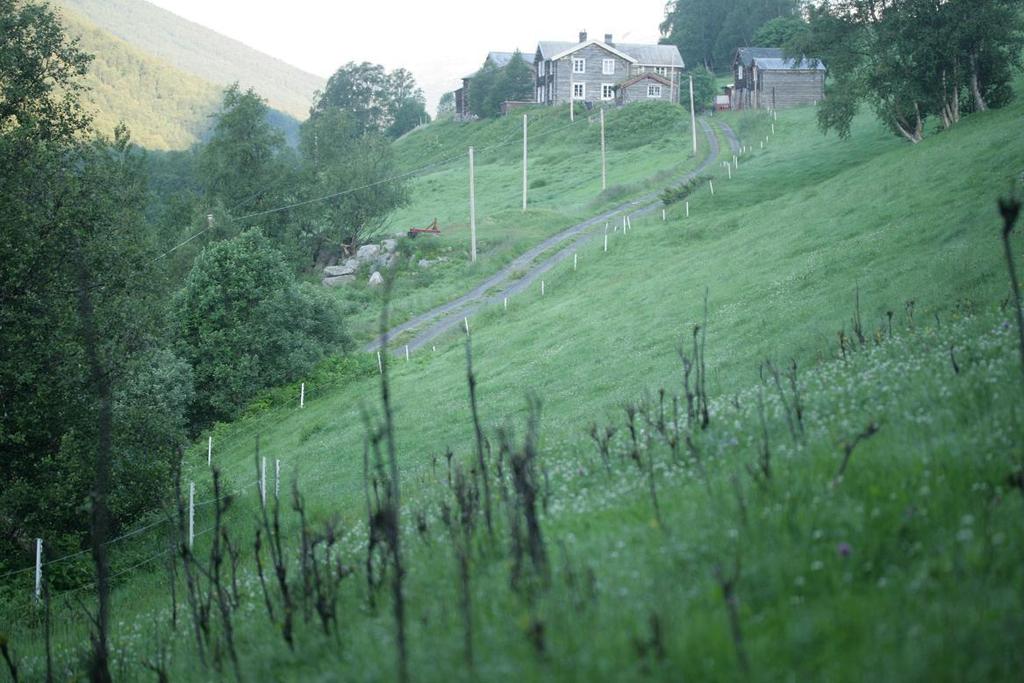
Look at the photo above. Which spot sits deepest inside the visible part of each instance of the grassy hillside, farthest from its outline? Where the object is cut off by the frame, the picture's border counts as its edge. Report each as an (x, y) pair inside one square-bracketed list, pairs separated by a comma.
[(687, 553), (201, 52), (648, 147)]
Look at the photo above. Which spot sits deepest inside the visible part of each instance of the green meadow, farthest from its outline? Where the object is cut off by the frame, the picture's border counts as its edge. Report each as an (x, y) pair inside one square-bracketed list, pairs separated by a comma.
[(856, 516)]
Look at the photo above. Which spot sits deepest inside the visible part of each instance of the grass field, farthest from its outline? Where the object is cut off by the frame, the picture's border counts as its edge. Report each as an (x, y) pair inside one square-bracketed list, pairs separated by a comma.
[(741, 550), (647, 148)]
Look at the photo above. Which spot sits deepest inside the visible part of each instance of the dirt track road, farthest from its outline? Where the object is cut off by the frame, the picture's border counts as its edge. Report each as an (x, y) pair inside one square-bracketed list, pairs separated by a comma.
[(438, 320)]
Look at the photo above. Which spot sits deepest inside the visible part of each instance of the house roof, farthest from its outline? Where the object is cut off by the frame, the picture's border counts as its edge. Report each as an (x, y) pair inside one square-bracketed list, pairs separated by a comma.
[(549, 48), (645, 76), (648, 55), (500, 60), (605, 46), (773, 63), (746, 55), (653, 55)]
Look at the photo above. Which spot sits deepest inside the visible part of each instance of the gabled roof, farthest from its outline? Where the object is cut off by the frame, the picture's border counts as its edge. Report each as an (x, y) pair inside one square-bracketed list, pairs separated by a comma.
[(746, 55), (636, 53), (776, 64), (653, 55), (549, 48), (500, 60), (645, 76), (604, 46)]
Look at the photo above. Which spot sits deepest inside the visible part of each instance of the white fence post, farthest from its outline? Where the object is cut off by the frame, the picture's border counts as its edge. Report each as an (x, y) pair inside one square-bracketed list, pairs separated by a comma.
[(406, 353), (191, 514), (542, 288), (575, 258), (302, 395), (209, 451), (711, 184), (39, 567), (380, 363), (525, 158), (277, 479), (263, 481), (687, 209), (472, 209), (606, 241)]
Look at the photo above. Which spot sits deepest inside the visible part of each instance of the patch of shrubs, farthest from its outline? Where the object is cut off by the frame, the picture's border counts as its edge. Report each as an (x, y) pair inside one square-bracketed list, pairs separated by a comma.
[(676, 194)]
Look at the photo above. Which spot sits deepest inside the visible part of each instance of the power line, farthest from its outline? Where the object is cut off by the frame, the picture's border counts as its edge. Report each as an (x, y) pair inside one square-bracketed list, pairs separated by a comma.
[(507, 140)]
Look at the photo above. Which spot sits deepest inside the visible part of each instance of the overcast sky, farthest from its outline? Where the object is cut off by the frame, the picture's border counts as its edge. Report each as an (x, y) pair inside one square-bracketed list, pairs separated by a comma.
[(438, 40)]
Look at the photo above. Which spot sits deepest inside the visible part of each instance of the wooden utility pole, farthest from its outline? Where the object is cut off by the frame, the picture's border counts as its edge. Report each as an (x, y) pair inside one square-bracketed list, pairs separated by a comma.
[(693, 119), (524, 162), (472, 210), (604, 174)]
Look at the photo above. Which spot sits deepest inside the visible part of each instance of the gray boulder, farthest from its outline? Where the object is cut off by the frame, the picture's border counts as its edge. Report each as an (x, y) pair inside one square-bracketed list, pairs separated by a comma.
[(367, 252), (348, 268), (376, 279), (339, 280), (424, 263), (389, 245)]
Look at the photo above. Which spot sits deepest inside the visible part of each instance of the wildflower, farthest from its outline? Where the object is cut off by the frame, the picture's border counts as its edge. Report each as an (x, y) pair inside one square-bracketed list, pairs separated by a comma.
[(843, 549)]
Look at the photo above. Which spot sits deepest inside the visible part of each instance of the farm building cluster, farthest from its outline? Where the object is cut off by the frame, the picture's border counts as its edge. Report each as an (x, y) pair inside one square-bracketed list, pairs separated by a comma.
[(764, 78), (603, 72)]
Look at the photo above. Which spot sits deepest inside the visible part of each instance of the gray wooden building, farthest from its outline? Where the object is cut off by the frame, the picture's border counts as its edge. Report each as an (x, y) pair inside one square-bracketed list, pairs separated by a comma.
[(643, 88), (594, 71), (763, 78), (498, 60)]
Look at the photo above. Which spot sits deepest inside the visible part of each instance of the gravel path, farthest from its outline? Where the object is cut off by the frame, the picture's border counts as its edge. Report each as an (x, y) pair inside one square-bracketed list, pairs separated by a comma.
[(730, 135), (439, 320)]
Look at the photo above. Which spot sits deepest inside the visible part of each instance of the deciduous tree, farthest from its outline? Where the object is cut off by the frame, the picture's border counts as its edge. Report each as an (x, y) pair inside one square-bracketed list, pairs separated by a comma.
[(912, 59)]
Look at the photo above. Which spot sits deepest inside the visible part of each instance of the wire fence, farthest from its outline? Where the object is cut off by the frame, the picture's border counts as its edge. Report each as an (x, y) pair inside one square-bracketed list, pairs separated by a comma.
[(308, 393)]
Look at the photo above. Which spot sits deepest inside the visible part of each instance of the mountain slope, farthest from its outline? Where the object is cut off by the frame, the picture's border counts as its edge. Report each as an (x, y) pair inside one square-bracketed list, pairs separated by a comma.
[(201, 52), (904, 557), (164, 108)]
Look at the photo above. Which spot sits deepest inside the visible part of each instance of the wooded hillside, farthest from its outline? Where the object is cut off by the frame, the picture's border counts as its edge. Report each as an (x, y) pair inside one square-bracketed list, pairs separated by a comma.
[(201, 52)]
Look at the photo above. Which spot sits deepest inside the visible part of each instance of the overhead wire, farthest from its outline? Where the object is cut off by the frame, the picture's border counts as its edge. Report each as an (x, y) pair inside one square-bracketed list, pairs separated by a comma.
[(441, 162)]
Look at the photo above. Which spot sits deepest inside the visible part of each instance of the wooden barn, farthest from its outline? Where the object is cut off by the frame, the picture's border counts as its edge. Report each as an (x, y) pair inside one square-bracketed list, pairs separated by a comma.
[(765, 79)]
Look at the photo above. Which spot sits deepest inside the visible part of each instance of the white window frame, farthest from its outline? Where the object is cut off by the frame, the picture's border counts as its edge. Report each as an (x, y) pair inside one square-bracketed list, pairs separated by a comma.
[(608, 67), (582, 88), (540, 68), (654, 90), (739, 73), (608, 88), (581, 63), (661, 70)]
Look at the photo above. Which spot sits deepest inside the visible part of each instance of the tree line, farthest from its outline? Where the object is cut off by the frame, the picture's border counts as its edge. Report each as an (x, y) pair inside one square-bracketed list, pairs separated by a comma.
[(146, 296), (707, 32), (911, 60), (907, 60)]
